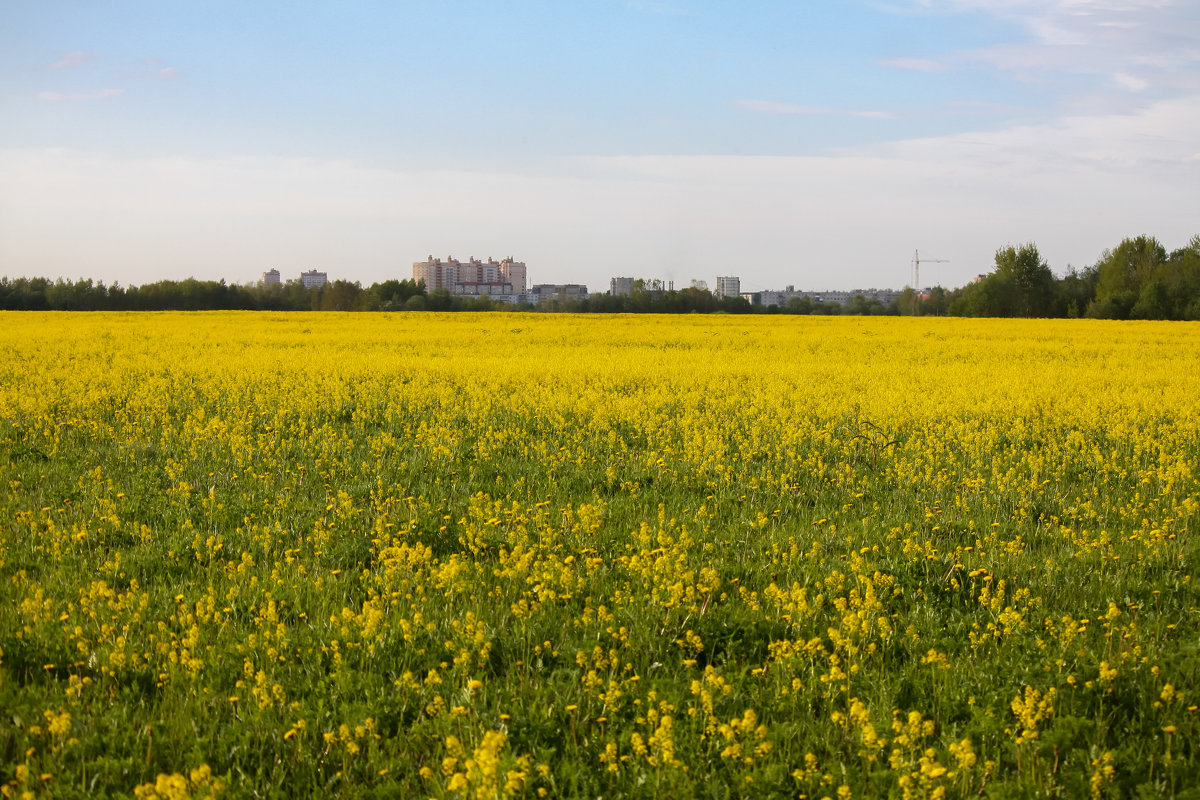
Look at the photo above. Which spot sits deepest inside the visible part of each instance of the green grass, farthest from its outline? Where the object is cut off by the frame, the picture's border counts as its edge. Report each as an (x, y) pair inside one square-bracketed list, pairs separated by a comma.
[(372, 587)]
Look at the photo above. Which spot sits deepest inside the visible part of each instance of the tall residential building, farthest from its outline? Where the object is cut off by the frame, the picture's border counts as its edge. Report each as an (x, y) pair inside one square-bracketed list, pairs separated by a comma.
[(728, 287), (435, 273), (270, 277), (313, 279), (514, 273), (471, 278), (622, 287)]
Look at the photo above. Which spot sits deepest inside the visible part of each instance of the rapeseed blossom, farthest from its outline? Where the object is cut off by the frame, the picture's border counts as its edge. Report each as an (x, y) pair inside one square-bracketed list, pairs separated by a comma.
[(520, 555)]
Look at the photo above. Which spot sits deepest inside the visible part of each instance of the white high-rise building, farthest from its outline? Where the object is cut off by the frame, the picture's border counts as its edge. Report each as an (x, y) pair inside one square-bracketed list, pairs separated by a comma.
[(620, 287), (270, 277), (728, 287), (313, 279)]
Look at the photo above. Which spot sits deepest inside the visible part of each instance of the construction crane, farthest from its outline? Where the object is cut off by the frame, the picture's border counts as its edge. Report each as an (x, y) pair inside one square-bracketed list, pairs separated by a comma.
[(917, 278)]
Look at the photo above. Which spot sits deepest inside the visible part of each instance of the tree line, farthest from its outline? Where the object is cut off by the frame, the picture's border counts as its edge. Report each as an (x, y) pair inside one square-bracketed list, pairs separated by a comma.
[(1138, 279), (42, 294)]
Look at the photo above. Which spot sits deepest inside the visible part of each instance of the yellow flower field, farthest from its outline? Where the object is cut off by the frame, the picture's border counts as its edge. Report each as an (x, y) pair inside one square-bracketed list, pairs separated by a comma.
[(534, 555)]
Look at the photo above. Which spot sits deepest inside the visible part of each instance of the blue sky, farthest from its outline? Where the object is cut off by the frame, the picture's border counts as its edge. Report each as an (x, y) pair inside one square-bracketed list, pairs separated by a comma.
[(808, 143)]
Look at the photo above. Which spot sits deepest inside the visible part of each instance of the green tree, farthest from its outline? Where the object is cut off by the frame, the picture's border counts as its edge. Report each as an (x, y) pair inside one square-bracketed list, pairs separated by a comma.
[(800, 305), (1173, 290), (860, 306), (392, 295), (1121, 275), (936, 304), (1031, 285), (1021, 285), (1154, 301), (439, 300), (1076, 290), (1185, 279)]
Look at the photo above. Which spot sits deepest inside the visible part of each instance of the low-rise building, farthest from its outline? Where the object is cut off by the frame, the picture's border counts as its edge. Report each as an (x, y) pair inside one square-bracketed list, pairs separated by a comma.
[(781, 297), (558, 291)]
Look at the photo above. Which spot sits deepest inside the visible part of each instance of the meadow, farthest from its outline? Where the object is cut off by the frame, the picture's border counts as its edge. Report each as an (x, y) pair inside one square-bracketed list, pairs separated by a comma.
[(521, 555)]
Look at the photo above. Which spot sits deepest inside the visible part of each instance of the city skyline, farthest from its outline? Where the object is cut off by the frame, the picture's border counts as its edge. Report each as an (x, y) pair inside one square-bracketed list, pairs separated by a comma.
[(814, 144), (431, 272)]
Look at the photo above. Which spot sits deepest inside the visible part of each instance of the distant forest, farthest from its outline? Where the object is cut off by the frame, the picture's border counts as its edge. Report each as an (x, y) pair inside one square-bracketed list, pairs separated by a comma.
[(1138, 279)]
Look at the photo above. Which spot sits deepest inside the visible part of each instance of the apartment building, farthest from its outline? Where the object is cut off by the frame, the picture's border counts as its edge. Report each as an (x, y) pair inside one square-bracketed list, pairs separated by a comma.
[(313, 279), (727, 287), (620, 287), (471, 278)]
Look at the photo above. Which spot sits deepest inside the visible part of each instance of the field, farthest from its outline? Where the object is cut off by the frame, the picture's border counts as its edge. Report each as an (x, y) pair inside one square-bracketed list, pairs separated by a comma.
[(545, 555)]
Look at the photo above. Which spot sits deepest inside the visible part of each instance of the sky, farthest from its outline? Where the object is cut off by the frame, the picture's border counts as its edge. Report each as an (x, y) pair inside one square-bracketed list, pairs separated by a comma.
[(816, 144)]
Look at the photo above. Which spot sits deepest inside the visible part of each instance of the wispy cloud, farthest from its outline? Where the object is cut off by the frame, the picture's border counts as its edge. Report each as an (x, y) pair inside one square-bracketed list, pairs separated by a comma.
[(772, 107), (1087, 36), (1074, 186), (73, 60), (1101, 54), (973, 107), (1130, 82), (99, 94), (154, 68), (1156, 136), (914, 64), (163, 73)]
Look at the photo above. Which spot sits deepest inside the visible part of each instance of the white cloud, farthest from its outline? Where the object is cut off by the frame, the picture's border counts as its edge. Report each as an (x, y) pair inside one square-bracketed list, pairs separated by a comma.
[(1130, 82), (771, 107), (846, 219), (1145, 44), (157, 70), (72, 60), (1159, 135)]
